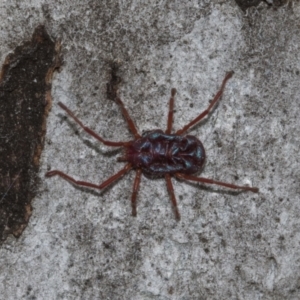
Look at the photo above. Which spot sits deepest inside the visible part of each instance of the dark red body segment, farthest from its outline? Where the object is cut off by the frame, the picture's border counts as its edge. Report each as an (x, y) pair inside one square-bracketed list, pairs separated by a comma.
[(159, 153)]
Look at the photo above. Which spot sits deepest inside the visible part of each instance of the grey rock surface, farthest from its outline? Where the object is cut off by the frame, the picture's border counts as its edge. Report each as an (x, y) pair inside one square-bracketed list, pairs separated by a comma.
[(83, 244)]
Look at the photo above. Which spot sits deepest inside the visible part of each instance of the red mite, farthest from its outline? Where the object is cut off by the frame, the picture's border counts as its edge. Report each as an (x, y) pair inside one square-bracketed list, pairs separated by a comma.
[(158, 153)]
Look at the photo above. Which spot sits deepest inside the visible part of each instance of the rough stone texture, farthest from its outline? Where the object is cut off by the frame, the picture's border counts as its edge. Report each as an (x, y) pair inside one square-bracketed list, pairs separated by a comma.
[(83, 244)]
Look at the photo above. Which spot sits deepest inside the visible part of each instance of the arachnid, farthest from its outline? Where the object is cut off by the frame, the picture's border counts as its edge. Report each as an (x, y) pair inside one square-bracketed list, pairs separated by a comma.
[(158, 153)]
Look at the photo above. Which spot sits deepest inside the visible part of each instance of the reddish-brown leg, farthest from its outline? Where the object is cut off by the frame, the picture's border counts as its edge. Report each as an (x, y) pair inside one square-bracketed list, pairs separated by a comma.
[(135, 190), (90, 131), (88, 184), (210, 181), (173, 198), (214, 101), (128, 119), (171, 111)]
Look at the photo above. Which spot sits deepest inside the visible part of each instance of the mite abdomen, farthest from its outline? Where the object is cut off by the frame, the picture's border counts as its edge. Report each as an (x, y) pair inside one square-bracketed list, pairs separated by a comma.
[(159, 153)]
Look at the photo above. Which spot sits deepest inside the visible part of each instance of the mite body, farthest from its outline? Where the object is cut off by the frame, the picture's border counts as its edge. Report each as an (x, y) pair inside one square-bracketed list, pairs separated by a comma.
[(158, 153)]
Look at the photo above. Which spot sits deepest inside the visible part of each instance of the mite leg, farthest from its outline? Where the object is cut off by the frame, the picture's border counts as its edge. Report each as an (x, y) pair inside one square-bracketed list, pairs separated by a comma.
[(210, 181), (88, 184), (135, 191), (90, 131), (128, 119), (171, 111), (205, 112), (172, 195)]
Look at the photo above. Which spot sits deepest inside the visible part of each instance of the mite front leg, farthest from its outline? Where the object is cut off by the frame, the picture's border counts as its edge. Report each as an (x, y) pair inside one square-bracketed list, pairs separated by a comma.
[(212, 104), (171, 111), (90, 131), (128, 119)]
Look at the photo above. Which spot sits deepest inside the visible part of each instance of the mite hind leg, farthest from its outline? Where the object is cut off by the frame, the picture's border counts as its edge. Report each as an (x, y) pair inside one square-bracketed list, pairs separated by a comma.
[(172, 195), (221, 183), (136, 186), (101, 186)]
